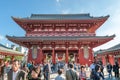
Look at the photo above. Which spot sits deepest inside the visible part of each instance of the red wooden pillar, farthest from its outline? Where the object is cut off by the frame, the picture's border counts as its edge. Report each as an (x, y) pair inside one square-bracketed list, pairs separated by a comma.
[(111, 59), (53, 56), (107, 58), (29, 55), (76, 58), (91, 58), (81, 56), (66, 55), (79, 53), (119, 60), (40, 56), (103, 60)]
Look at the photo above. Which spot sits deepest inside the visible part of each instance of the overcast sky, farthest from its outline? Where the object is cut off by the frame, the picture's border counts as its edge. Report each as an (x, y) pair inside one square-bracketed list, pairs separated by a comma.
[(96, 8)]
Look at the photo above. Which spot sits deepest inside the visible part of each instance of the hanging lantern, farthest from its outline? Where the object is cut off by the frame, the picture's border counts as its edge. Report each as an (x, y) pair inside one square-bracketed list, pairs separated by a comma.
[(34, 51), (86, 52)]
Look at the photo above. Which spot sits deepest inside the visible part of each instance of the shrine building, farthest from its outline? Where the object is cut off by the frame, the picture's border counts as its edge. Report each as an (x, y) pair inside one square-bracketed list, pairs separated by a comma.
[(110, 55), (5, 51), (60, 37)]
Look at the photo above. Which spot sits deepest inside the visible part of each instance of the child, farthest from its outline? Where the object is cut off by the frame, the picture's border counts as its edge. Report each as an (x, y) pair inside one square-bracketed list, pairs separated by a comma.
[(82, 74)]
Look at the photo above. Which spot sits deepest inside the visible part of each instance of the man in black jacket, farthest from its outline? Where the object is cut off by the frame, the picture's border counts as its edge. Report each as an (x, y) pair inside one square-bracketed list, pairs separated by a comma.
[(109, 69), (116, 69)]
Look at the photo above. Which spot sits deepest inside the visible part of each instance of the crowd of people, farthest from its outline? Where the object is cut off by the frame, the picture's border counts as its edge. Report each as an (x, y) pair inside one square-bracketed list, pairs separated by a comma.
[(97, 70), (17, 70)]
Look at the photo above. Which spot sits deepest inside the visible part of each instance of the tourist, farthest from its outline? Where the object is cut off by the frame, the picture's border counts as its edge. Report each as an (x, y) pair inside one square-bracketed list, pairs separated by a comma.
[(32, 65), (109, 70), (35, 74), (15, 73), (29, 64), (92, 69), (39, 71), (98, 74), (46, 71), (52, 68), (82, 74), (92, 66), (116, 69), (25, 68), (65, 67), (71, 74), (101, 67), (79, 66), (75, 66), (60, 76)]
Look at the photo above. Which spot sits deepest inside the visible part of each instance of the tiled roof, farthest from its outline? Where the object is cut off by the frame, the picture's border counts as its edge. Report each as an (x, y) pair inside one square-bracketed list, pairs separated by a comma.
[(62, 16), (60, 37), (98, 40), (114, 48), (9, 51), (1, 45), (99, 51)]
